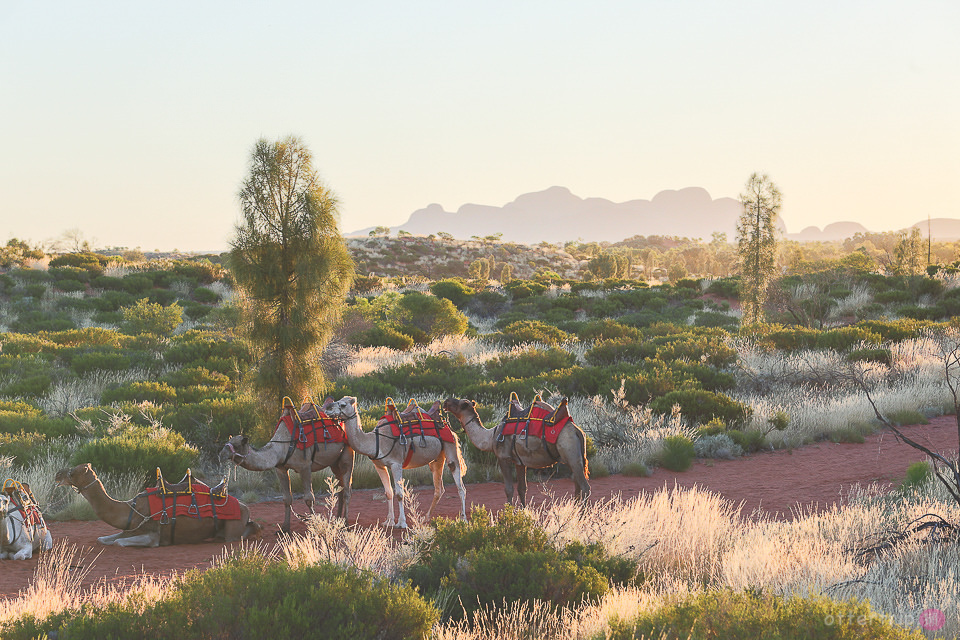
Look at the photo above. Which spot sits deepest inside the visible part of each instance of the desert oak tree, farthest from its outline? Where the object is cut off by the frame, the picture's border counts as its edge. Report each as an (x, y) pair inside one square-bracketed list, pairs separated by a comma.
[(291, 267), (757, 244)]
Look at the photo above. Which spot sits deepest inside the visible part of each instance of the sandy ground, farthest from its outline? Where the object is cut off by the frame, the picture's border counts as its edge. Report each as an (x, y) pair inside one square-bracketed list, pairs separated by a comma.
[(776, 484)]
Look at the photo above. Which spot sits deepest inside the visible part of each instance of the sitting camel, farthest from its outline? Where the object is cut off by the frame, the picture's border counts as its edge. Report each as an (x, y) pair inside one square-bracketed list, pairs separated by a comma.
[(22, 528), (136, 519), (282, 455), (404, 452), (517, 452)]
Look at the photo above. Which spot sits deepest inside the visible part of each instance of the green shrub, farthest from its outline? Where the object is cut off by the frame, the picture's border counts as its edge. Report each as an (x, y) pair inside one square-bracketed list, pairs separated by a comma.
[(881, 356), (92, 263), (528, 363), (677, 453), (36, 422), (208, 421), (381, 337), (748, 615), (153, 392), (137, 450), (205, 295), (204, 349), (533, 331), (748, 441), (488, 304), (700, 406), (254, 596), (485, 562), (635, 470), (725, 287), (918, 474), (456, 291), (607, 329), (150, 317), (36, 321), (162, 297)]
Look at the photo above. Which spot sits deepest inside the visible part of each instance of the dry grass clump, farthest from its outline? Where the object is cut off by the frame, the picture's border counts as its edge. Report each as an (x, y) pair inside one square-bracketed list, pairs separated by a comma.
[(56, 586)]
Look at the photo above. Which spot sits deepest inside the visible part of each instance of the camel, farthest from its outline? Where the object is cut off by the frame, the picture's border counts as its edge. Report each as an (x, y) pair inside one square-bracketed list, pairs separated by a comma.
[(133, 517), (280, 454), (516, 453), (387, 450), (20, 537)]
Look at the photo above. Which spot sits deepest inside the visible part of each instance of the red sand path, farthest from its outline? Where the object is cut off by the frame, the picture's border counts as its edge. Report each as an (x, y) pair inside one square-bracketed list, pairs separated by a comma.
[(776, 483)]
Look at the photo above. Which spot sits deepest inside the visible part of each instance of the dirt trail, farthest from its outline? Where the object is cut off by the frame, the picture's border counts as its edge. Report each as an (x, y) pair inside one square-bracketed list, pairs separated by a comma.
[(776, 483)]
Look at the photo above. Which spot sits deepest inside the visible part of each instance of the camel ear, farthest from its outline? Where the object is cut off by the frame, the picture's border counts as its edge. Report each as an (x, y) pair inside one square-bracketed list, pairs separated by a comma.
[(88, 467)]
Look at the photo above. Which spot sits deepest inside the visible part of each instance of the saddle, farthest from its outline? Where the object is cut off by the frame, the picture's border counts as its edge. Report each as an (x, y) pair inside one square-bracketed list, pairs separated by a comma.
[(186, 486), (539, 420), (191, 498), (414, 421), (22, 498), (309, 426)]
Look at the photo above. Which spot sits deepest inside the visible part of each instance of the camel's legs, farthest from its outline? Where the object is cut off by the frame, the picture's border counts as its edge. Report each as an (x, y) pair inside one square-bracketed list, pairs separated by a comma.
[(399, 490), (307, 481), (522, 484), (111, 538), (343, 471), (142, 540), (436, 466), (506, 470), (284, 477), (387, 490), (457, 474)]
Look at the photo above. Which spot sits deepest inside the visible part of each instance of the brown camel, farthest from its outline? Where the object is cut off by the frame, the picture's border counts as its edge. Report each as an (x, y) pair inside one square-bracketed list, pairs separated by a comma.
[(281, 454), (133, 517), (516, 453), (387, 450)]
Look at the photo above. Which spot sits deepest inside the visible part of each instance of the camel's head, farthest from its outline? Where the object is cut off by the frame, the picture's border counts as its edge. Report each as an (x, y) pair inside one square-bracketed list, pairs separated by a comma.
[(235, 449), (345, 407), (80, 477), (457, 406)]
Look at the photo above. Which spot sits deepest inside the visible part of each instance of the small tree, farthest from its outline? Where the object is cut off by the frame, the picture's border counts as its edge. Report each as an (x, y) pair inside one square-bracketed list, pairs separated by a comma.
[(291, 266), (757, 244)]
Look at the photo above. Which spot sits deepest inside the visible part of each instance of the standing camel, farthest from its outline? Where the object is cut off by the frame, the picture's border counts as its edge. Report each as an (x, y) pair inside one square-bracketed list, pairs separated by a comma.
[(282, 455), (138, 526), (399, 453), (516, 453)]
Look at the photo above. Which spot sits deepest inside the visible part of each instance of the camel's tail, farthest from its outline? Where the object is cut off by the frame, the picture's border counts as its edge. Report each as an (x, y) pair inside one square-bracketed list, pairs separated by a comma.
[(460, 460)]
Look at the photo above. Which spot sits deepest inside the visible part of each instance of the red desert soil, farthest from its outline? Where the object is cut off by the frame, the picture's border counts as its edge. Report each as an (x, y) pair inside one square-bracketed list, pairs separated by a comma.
[(775, 483)]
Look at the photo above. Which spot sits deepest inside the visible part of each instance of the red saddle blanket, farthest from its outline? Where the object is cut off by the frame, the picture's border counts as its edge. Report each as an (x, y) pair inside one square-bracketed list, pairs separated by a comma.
[(421, 423), (320, 430), (197, 504), (31, 514), (539, 425)]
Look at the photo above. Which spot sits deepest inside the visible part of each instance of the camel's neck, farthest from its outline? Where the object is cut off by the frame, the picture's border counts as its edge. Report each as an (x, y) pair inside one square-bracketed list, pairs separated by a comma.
[(271, 454), (111, 511), (360, 441), (481, 437)]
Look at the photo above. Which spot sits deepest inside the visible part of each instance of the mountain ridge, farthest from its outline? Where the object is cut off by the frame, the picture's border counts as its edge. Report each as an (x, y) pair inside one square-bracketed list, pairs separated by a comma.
[(556, 214)]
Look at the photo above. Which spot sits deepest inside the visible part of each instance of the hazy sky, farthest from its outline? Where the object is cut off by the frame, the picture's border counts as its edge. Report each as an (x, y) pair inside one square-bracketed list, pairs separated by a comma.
[(133, 122)]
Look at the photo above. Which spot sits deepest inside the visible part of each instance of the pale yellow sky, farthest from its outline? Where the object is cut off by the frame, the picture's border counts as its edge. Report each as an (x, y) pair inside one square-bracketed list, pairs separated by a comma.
[(134, 122)]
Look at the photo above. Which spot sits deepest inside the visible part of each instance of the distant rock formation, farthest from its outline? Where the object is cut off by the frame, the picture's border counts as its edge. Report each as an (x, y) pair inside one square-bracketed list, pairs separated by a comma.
[(557, 215)]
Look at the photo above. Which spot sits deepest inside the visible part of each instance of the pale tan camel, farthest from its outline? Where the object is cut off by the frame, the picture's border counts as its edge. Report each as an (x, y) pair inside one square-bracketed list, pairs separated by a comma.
[(516, 453), (389, 451), (19, 538), (138, 529), (280, 455)]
